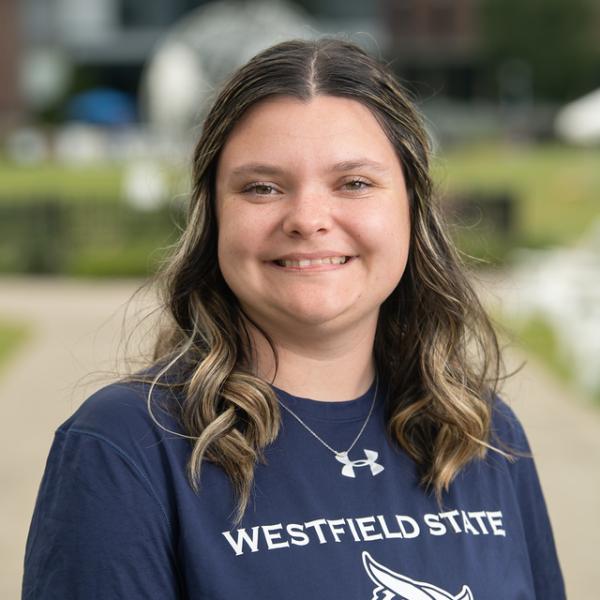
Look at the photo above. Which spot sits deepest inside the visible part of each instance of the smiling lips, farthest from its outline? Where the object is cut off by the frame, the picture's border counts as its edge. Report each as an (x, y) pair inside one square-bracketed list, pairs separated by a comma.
[(311, 263)]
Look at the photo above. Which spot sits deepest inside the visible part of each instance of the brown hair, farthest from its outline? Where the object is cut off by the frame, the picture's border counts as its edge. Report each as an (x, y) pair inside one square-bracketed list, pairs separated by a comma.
[(434, 346)]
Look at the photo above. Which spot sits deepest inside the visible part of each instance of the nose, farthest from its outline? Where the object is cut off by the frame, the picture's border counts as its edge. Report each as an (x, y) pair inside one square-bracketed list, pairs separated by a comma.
[(308, 214)]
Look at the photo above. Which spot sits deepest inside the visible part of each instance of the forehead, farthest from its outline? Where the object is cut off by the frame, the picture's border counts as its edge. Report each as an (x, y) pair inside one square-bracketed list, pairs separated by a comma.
[(327, 128)]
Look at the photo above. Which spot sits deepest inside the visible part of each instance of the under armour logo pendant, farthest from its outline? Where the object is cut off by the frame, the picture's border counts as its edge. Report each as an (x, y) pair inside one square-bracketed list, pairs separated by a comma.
[(350, 465)]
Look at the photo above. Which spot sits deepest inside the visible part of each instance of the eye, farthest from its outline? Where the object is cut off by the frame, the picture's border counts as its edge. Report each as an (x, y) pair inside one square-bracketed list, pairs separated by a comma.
[(356, 185), (260, 189)]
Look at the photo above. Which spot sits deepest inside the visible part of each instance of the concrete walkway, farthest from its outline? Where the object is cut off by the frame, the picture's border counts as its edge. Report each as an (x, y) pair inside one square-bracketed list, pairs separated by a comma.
[(76, 329)]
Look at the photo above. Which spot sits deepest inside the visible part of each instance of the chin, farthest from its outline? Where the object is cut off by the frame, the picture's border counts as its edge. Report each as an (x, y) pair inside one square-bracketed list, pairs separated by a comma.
[(318, 316), (314, 320)]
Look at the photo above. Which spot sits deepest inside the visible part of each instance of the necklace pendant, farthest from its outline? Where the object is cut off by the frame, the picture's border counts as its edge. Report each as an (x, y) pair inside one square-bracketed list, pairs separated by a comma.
[(349, 465)]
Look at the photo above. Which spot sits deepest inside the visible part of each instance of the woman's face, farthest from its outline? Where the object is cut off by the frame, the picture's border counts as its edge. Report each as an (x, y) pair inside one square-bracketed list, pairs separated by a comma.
[(313, 215)]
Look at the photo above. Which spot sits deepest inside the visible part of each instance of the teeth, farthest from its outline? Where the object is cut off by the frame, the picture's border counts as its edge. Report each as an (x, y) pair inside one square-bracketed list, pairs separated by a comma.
[(330, 260)]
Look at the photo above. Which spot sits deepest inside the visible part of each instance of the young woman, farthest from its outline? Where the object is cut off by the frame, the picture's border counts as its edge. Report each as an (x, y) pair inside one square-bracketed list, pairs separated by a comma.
[(320, 420)]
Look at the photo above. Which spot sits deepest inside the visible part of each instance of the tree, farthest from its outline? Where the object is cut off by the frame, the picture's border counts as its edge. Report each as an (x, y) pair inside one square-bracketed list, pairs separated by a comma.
[(552, 38)]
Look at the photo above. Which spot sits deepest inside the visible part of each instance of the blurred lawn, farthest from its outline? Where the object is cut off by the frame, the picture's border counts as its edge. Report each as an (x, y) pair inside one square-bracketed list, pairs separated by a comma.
[(73, 183), (536, 335), (557, 188), (11, 337), (50, 180)]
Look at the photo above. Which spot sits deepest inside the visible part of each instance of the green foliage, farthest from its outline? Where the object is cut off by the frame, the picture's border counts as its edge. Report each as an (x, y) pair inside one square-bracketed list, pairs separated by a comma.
[(56, 219), (537, 336), (11, 337), (556, 38), (556, 188), (124, 260), (84, 238), (479, 247)]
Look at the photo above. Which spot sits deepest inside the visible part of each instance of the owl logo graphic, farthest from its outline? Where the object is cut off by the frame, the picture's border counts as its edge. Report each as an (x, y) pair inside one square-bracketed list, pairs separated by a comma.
[(393, 586)]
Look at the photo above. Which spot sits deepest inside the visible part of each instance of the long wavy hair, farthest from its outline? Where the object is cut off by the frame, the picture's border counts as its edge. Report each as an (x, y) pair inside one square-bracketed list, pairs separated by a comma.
[(435, 348)]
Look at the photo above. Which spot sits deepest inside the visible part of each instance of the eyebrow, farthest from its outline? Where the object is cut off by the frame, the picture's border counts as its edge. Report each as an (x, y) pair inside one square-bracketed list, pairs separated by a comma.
[(359, 163), (255, 168)]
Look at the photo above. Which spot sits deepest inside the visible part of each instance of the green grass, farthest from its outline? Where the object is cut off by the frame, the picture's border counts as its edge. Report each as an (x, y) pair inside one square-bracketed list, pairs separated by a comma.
[(537, 336), (51, 180), (556, 191), (11, 337), (74, 183), (557, 188)]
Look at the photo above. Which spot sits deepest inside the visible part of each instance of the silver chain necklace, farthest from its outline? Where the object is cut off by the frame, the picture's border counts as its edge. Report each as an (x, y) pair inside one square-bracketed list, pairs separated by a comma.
[(342, 456)]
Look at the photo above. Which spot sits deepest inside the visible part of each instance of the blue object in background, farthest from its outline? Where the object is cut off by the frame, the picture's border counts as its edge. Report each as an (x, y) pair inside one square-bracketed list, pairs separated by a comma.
[(102, 106)]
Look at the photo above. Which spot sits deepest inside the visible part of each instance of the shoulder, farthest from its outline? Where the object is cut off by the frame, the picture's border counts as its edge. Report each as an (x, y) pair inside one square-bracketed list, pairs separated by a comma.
[(512, 451), (105, 504), (509, 436), (123, 413), (507, 430), (114, 441)]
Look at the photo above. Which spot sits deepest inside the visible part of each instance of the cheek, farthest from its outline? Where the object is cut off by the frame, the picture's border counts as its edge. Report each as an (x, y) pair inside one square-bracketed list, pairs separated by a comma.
[(389, 241), (240, 242), (230, 257), (229, 248), (402, 233), (387, 232)]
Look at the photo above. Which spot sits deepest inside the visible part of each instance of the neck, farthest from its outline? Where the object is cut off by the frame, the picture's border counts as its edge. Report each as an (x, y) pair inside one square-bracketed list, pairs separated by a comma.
[(333, 368)]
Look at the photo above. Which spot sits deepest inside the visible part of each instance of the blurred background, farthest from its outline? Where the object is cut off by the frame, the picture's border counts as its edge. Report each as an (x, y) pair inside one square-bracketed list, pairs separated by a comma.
[(101, 102)]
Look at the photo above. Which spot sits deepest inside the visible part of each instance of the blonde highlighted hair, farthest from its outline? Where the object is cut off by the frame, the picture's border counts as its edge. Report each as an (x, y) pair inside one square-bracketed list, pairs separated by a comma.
[(434, 347)]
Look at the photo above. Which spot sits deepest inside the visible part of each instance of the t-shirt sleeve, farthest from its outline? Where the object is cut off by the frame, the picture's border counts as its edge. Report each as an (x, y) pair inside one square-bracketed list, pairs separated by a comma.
[(99, 530), (545, 566)]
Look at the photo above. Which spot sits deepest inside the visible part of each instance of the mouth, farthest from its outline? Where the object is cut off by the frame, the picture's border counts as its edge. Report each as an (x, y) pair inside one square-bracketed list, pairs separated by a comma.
[(306, 263)]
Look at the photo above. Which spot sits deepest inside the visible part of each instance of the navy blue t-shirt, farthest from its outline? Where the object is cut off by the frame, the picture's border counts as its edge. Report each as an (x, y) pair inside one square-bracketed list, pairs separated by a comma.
[(116, 516)]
